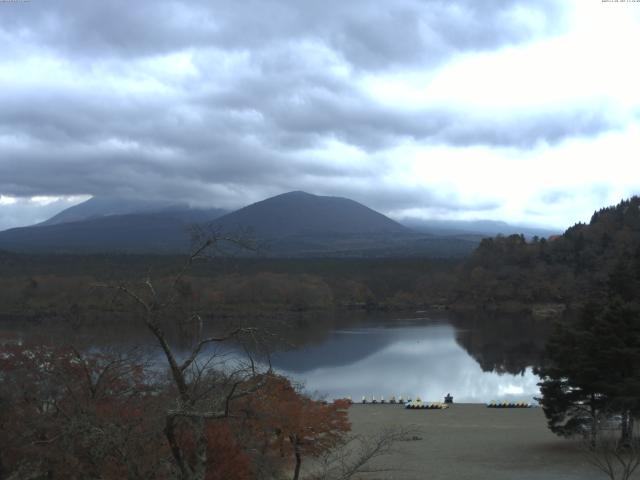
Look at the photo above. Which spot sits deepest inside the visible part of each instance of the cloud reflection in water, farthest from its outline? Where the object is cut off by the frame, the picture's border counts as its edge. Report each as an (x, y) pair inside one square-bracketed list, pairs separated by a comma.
[(423, 361)]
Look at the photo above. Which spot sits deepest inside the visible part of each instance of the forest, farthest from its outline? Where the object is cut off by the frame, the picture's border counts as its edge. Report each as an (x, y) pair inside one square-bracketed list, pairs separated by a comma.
[(41, 285), (567, 269)]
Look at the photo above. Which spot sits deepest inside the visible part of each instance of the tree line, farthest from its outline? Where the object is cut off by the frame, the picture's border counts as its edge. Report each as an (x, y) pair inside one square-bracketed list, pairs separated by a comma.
[(568, 269)]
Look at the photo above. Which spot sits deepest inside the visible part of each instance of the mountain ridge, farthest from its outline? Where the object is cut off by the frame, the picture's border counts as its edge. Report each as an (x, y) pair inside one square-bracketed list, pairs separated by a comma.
[(294, 224), (302, 213), (475, 227), (99, 207), (306, 224)]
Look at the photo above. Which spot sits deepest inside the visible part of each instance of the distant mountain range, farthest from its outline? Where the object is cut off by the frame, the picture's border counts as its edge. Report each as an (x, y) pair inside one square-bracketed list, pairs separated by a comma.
[(97, 207), (485, 228), (291, 224), (157, 232)]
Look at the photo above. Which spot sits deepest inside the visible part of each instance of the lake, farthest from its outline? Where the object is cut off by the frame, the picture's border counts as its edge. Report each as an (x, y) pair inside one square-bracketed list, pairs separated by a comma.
[(476, 358), (422, 357)]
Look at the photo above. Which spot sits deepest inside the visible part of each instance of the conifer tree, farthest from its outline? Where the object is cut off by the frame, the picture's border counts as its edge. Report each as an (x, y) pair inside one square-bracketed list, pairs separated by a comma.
[(592, 367)]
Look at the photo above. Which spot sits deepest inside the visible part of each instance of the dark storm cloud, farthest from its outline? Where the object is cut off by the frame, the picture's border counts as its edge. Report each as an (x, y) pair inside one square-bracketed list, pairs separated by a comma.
[(273, 85), (366, 34)]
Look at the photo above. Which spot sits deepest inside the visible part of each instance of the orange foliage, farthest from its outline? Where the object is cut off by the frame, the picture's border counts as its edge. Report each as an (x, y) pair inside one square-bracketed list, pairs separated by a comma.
[(84, 415), (77, 415), (291, 423), (226, 460)]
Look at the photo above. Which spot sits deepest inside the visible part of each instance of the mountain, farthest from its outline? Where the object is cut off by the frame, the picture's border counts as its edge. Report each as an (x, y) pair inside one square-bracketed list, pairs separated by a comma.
[(482, 228), (301, 224), (101, 224), (300, 213), (97, 207), (294, 224)]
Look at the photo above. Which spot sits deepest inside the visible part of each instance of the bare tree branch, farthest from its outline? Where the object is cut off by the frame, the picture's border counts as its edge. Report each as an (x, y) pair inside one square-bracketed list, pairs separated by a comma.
[(618, 460), (357, 454), (202, 343)]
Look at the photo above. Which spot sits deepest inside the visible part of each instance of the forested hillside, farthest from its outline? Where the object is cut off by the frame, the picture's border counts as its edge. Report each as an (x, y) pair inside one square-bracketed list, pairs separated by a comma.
[(46, 284), (565, 269)]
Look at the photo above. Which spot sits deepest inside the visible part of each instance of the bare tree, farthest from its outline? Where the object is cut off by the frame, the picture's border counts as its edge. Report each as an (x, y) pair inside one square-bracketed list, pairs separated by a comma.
[(616, 458), (203, 390), (357, 454)]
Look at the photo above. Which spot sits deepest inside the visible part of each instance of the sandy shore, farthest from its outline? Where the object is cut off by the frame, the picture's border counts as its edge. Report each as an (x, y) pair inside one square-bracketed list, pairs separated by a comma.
[(474, 442)]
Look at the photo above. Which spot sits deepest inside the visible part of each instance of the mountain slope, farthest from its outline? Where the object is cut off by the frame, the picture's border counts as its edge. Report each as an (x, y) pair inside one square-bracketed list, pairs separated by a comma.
[(165, 231), (97, 207), (300, 213), (294, 224)]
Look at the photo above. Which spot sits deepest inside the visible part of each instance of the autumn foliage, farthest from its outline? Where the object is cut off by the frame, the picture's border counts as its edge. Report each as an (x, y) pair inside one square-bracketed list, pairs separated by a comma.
[(291, 425), (294, 419), (74, 415)]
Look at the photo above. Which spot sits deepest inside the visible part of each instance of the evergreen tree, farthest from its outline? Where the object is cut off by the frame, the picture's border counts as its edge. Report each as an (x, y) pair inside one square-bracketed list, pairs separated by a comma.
[(572, 397), (592, 366)]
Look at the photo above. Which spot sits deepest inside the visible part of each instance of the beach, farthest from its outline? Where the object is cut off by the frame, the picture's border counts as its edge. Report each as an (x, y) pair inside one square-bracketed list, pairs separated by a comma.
[(473, 442)]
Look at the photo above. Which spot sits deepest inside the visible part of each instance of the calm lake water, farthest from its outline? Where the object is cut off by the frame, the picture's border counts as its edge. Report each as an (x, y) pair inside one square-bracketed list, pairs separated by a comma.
[(417, 357), (475, 359)]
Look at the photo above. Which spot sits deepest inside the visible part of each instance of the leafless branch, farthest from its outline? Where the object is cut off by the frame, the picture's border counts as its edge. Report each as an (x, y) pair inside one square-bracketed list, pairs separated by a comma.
[(204, 393), (202, 343), (616, 459), (357, 453)]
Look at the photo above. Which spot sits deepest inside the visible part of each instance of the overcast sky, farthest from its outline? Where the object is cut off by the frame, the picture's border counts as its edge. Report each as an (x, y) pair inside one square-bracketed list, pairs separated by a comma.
[(523, 111)]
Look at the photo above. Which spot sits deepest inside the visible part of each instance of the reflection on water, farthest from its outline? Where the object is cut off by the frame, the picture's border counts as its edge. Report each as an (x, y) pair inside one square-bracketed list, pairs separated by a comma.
[(502, 344), (476, 359), (410, 360)]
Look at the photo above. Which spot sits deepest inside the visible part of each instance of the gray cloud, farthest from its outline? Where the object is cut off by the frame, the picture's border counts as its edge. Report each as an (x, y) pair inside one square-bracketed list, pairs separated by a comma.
[(273, 84), (554, 196), (525, 130), (598, 193), (397, 199), (365, 34)]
